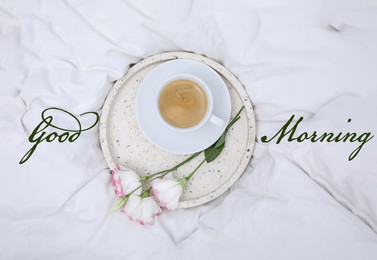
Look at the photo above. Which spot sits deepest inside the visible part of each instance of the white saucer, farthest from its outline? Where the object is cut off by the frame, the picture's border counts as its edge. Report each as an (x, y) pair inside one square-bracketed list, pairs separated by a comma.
[(166, 138)]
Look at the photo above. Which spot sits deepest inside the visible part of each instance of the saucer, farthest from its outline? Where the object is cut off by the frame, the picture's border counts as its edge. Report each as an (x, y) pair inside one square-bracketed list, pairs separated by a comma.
[(166, 138)]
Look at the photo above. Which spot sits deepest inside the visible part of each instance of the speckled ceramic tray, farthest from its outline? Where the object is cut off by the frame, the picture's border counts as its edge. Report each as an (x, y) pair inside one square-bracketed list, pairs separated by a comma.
[(123, 142)]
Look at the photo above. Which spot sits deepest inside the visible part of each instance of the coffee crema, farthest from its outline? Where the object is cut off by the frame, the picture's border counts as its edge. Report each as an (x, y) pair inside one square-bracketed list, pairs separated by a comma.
[(183, 103)]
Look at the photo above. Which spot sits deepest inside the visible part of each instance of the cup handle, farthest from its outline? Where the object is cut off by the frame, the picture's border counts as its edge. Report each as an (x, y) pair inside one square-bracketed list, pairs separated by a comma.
[(216, 121)]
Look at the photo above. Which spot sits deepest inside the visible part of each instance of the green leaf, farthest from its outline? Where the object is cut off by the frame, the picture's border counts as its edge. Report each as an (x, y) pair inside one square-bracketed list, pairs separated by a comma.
[(212, 152)]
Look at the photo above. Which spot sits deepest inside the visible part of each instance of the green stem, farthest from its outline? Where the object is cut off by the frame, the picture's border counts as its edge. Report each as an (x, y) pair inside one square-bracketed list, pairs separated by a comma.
[(120, 203), (235, 119), (146, 193), (157, 177), (163, 173), (187, 178)]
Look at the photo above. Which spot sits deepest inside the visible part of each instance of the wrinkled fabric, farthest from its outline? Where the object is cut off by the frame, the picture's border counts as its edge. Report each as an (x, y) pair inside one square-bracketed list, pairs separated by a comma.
[(315, 59)]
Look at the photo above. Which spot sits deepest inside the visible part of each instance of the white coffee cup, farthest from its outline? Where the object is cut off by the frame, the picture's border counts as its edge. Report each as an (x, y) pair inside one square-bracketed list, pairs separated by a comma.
[(208, 117)]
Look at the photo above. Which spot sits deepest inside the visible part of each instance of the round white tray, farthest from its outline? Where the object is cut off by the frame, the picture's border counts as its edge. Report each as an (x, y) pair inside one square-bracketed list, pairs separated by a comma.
[(123, 143)]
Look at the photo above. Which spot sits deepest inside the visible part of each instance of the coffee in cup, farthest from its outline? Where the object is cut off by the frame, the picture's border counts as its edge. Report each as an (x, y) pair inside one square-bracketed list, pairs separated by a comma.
[(183, 103)]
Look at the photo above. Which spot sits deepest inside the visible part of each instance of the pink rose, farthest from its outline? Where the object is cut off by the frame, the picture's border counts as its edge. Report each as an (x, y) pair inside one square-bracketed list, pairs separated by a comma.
[(167, 191), (142, 210), (124, 182)]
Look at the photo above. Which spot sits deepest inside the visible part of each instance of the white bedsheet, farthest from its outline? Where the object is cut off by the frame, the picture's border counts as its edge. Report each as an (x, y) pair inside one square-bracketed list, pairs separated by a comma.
[(316, 59)]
